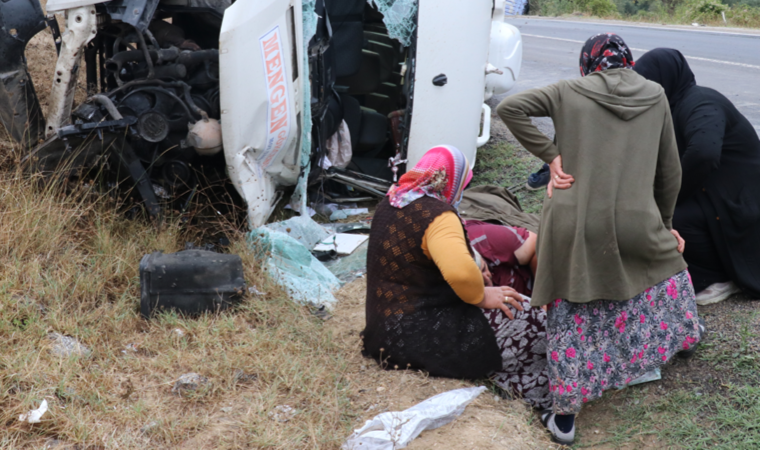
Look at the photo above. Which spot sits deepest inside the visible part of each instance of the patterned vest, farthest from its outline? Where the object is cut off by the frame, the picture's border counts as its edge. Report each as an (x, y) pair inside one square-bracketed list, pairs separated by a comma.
[(414, 318)]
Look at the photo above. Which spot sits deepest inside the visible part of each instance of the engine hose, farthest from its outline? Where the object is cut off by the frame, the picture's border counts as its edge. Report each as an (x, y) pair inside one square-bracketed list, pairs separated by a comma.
[(152, 39), (193, 106), (108, 104), (115, 62), (192, 59), (146, 52)]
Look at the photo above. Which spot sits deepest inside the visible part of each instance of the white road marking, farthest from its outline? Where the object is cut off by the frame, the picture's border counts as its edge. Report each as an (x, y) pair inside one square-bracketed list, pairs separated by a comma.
[(697, 58)]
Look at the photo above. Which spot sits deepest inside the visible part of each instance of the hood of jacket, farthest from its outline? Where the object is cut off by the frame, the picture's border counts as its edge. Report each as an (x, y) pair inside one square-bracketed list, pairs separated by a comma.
[(621, 91)]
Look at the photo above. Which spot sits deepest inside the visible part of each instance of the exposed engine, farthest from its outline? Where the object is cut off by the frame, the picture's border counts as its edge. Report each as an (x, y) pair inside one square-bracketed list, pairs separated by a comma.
[(153, 111)]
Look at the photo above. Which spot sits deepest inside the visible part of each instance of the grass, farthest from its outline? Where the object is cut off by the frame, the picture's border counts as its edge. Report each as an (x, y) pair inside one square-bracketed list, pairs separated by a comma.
[(70, 265), (683, 418), (503, 164), (711, 402), (679, 12)]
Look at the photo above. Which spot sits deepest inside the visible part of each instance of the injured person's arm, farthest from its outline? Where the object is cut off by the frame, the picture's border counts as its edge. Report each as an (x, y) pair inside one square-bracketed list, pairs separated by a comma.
[(445, 244), (527, 251)]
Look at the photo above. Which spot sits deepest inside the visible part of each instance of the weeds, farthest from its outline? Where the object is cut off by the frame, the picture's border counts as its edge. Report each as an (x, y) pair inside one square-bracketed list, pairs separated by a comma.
[(503, 164)]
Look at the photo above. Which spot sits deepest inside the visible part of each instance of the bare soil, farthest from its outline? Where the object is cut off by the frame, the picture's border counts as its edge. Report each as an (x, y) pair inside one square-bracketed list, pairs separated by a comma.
[(488, 422)]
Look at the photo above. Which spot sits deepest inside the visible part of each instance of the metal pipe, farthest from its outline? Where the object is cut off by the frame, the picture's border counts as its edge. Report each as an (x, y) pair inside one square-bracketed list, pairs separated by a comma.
[(108, 105)]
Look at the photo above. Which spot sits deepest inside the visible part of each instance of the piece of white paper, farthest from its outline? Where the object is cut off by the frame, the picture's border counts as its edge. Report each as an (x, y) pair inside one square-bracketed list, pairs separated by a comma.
[(342, 243), (395, 430), (34, 415)]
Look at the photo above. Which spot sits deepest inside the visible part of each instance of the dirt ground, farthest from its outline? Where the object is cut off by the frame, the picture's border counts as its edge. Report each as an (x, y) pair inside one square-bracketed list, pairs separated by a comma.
[(489, 422)]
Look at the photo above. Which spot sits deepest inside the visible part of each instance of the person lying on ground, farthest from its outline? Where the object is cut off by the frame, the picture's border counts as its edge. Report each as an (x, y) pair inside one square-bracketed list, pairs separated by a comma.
[(508, 254), (718, 208), (427, 305), (620, 299)]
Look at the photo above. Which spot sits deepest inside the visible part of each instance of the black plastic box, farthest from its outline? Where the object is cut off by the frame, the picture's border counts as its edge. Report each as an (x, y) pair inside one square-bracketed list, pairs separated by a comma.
[(190, 281)]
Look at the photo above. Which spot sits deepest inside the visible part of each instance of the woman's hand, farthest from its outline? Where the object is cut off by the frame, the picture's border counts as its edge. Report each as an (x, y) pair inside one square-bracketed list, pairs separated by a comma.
[(681, 242), (487, 277), (560, 179), (499, 297)]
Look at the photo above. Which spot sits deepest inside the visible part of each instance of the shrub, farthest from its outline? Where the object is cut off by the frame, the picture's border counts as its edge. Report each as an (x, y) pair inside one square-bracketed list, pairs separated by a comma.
[(601, 8), (744, 16), (701, 10)]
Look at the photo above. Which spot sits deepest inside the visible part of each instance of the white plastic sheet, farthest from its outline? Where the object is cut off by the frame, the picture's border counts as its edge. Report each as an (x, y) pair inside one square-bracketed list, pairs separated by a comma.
[(34, 415), (395, 430)]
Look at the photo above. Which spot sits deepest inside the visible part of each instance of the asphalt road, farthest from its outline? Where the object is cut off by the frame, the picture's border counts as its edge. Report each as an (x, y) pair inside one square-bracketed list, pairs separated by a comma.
[(727, 61)]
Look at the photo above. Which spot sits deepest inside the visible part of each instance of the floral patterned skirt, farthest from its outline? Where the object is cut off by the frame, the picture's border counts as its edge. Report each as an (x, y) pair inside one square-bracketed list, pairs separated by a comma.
[(522, 343), (606, 344)]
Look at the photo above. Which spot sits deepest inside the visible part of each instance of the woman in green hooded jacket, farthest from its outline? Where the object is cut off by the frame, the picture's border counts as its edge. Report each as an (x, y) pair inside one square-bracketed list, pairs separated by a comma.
[(621, 302)]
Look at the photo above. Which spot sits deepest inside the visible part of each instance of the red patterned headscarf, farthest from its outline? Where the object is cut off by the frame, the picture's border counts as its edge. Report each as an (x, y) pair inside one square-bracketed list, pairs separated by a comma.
[(442, 173), (605, 51)]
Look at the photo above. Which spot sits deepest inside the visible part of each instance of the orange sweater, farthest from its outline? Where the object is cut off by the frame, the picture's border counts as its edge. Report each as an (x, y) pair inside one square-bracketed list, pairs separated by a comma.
[(444, 243)]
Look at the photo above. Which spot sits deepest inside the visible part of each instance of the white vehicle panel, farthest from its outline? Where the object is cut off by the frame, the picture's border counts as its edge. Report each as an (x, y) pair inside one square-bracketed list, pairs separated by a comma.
[(54, 6), (260, 99), (506, 55), (452, 39)]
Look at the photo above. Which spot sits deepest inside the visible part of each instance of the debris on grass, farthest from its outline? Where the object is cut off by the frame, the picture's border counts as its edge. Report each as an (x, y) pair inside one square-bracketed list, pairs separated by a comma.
[(149, 427), (242, 377), (394, 430), (190, 383), (282, 413), (34, 415), (65, 346), (254, 291)]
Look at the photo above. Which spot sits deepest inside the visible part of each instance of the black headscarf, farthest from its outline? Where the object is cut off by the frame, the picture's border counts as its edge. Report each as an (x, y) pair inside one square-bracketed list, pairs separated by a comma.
[(605, 51), (669, 68)]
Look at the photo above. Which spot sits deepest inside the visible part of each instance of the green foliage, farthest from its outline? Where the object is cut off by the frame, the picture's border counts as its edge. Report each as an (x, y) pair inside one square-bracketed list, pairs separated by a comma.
[(599, 8), (742, 13), (701, 10), (644, 8)]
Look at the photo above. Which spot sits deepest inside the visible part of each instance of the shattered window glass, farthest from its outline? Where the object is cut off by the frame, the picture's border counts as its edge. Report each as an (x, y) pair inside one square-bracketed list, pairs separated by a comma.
[(399, 17), (292, 266)]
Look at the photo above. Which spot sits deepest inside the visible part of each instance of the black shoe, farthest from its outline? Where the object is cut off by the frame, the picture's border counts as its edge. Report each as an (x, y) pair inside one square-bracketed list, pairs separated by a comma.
[(686, 354), (539, 179), (547, 420)]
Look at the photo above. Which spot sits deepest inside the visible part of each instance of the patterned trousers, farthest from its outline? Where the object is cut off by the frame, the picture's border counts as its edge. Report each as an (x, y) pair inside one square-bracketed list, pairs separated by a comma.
[(523, 344)]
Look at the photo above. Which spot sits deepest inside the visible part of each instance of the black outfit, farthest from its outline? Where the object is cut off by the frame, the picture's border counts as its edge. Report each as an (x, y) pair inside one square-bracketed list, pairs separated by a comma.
[(718, 209), (415, 319)]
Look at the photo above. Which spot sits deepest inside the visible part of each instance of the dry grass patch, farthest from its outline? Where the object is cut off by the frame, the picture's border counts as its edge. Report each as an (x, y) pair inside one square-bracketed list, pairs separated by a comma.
[(71, 267)]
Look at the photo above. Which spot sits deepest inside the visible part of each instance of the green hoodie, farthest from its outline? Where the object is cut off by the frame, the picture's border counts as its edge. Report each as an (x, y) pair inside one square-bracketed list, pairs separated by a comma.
[(607, 237)]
